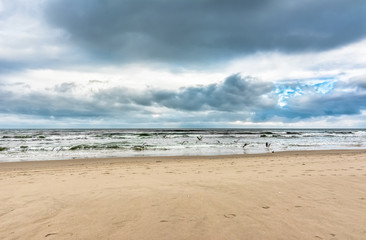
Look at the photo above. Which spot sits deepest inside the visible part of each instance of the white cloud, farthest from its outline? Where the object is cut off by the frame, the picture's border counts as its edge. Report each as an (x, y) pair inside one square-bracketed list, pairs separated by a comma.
[(343, 63), (26, 41)]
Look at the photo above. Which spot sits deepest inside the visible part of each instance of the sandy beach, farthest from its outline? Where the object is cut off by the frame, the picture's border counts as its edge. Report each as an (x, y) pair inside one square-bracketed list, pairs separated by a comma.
[(288, 195)]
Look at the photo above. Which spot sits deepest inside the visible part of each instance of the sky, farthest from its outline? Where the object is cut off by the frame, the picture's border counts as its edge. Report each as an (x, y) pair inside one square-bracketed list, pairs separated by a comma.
[(182, 64)]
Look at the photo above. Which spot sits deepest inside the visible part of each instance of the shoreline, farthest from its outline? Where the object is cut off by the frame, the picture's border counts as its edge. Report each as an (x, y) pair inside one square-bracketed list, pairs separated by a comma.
[(282, 195), (130, 159)]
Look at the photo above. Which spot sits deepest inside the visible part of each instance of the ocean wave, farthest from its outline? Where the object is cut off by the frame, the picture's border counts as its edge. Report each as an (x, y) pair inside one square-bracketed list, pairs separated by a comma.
[(95, 147), (293, 133), (56, 144), (3, 149)]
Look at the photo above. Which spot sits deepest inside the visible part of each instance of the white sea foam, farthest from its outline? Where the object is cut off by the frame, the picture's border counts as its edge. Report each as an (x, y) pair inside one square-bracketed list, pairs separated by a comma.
[(29, 145)]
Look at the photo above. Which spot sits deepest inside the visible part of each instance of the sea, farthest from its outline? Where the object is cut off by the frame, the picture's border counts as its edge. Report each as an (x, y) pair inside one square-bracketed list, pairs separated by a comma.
[(57, 144)]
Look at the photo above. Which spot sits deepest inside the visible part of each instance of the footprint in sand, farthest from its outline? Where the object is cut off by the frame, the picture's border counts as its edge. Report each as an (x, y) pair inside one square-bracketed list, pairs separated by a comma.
[(50, 234)]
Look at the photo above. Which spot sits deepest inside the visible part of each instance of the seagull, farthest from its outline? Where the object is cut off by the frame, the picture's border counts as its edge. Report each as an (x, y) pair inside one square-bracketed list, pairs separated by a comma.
[(268, 145), (184, 142), (245, 144), (199, 138)]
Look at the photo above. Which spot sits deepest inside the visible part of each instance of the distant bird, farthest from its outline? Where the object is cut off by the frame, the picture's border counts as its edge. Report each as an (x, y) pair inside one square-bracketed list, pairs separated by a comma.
[(139, 147), (24, 149), (144, 146), (164, 136), (268, 145), (199, 138), (236, 141), (184, 142), (218, 141), (245, 144)]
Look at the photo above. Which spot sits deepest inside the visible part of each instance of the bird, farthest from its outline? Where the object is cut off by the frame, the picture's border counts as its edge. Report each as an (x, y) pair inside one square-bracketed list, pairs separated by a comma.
[(245, 144), (268, 145), (184, 142), (199, 138)]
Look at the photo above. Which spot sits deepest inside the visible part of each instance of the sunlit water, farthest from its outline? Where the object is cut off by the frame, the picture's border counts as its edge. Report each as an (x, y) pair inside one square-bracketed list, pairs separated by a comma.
[(30, 145)]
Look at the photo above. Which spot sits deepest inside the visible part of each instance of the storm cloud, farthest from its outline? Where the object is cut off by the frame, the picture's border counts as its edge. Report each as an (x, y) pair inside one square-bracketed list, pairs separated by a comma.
[(234, 94), (236, 98), (337, 102), (308, 101), (200, 30)]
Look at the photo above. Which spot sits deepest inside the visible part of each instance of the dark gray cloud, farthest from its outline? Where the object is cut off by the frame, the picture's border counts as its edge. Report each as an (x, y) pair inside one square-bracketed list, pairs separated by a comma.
[(234, 94), (326, 105), (235, 99), (358, 83), (205, 30), (345, 98), (340, 101)]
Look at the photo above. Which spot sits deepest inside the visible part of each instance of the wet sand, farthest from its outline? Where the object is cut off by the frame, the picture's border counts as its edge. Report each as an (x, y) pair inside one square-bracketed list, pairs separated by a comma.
[(289, 195)]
